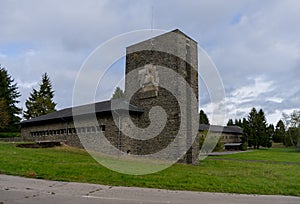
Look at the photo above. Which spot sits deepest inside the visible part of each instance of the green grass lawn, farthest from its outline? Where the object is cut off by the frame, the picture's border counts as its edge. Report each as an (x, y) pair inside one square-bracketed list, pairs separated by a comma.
[(275, 155), (258, 176)]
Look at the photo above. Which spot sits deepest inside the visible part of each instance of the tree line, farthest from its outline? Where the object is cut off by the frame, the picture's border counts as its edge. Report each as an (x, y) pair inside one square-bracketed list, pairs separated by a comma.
[(256, 131), (40, 101)]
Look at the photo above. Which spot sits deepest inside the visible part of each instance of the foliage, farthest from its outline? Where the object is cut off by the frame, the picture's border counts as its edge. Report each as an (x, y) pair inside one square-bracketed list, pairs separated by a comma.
[(201, 141), (203, 119), (9, 134), (40, 102), (244, 146), (279, 134), (219, 146), (230, 122), (267, 173), (119, 93), (9, 95), (256, 132), (4, 116), (270, 133), (258, 135), (292, 137), (292, 121)]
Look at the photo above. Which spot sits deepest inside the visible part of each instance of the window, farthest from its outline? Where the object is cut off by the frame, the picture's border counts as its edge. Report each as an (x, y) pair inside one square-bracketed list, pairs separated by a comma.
[(88, 129), (102, 128)]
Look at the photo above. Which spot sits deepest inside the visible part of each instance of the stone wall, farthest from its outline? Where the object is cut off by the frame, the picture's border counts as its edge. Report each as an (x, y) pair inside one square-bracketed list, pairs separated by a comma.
[(225, 137), (86, 131), (11, 139), (173, 51)]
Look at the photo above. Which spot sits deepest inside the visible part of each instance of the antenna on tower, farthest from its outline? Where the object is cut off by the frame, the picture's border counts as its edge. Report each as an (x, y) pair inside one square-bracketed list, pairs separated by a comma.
[(151, 41), (152, 18)]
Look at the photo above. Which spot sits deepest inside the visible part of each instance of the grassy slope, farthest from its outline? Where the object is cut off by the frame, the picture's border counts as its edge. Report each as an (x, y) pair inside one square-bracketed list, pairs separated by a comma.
[(70, 164)]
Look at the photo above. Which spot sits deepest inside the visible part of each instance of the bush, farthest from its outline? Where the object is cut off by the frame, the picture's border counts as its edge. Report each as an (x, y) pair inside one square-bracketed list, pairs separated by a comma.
[(244, 146), (219, 146), (9, 134)]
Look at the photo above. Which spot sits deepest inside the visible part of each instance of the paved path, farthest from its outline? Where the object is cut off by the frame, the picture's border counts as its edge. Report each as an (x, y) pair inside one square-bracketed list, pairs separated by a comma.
[(224, 153), (23, 190)]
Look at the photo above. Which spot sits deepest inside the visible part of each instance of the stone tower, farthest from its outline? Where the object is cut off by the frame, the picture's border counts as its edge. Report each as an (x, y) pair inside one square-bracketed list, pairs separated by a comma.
[(175, 51)]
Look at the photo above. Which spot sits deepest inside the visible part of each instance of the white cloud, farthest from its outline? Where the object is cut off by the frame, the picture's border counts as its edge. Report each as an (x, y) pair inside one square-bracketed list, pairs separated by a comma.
[(26, 85), (251, 91), (254, 44), (275, 99)]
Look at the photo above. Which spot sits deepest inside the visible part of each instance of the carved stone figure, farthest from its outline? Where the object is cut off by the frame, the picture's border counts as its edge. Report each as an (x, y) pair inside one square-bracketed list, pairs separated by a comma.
[(148, 78)]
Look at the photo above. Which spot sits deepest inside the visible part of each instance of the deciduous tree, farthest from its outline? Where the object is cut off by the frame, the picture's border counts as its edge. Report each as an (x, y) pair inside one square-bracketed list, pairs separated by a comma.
[(292, 122)]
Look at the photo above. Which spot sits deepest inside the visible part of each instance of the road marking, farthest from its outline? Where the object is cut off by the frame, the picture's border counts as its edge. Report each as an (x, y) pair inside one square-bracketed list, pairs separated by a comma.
[(122, 199)]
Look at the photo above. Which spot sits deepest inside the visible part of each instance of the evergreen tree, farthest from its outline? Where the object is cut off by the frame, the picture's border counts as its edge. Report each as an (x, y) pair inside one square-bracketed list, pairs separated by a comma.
[(245, 126), (263, 136), (230, 122), (270, 135), (258, 133), (279, 132), (253, 139), (203, 119), (236, 122), (40, 102), (119, 93), (9, 95), (4, 116)]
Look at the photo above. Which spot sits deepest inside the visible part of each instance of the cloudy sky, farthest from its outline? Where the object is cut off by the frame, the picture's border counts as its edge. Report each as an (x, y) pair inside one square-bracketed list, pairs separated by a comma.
[(254, 44)]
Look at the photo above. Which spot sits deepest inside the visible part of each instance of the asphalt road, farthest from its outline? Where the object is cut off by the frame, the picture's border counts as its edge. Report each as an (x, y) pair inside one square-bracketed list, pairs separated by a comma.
[(23, 190)]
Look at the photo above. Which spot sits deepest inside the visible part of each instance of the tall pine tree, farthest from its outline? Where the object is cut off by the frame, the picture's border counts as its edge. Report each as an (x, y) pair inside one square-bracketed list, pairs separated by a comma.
[(203, 119), (258, 134), (9, 95), (119, 93), (264, 137), (40, 102), (279, 132), (230, 122), (4, 116), (253, 139)]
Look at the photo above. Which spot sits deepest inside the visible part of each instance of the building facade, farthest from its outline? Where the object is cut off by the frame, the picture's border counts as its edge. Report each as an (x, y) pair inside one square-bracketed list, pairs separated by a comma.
[(145, 87), (231, 136)]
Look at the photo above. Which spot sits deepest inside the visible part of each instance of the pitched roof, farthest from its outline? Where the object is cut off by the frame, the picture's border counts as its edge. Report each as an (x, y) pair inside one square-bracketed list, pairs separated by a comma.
[(100, 107), (221, 129)]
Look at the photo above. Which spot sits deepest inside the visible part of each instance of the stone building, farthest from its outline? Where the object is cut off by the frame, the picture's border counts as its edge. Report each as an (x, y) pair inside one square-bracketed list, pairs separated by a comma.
[(231, 136), (147, 85)]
